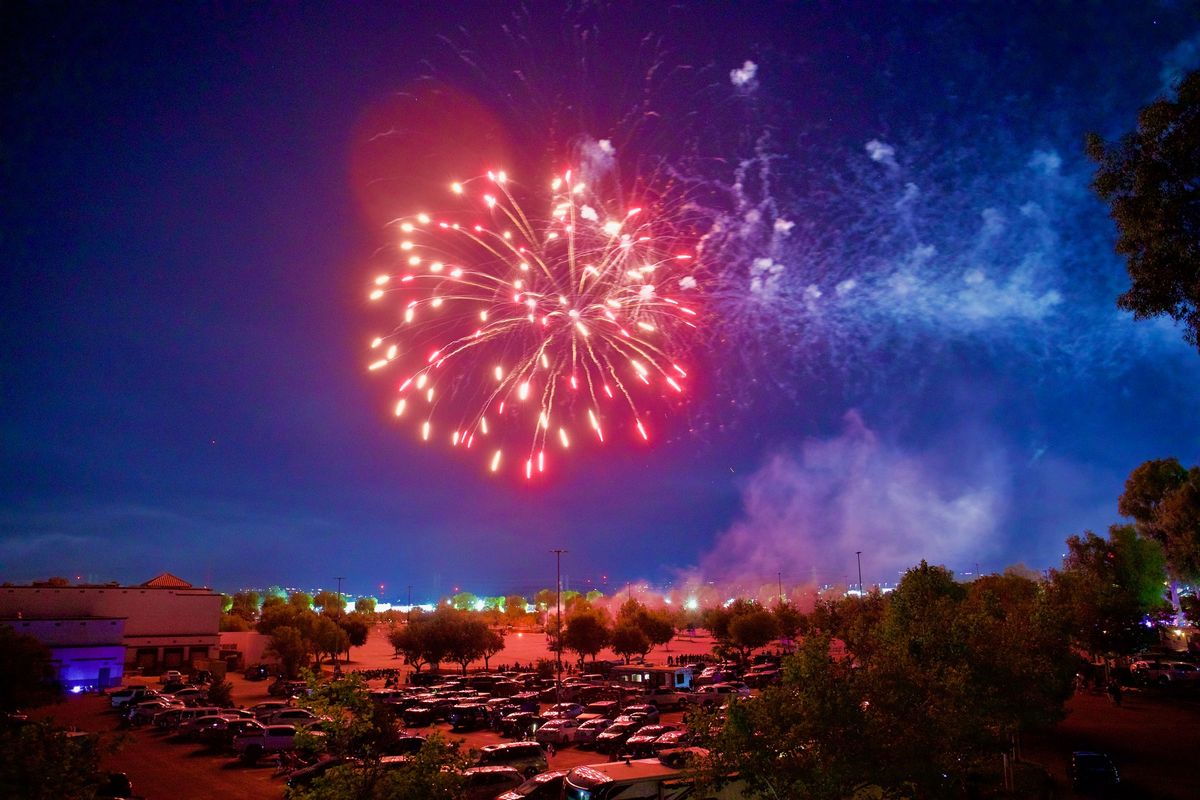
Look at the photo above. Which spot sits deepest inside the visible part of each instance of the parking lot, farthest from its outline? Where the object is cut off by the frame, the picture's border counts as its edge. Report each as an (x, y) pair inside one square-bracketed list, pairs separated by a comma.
[(162, 766)]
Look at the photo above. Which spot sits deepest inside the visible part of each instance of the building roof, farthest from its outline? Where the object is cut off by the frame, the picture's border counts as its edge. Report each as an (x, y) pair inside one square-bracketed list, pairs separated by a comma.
[(166, 580)]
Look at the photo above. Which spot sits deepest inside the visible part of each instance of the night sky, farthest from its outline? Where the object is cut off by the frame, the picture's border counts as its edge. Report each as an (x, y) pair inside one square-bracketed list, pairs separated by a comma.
[(913, 345)]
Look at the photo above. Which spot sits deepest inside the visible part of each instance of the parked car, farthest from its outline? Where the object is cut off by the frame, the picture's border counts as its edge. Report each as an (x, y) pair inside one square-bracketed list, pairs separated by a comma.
[(428, 712), (525, 757), (544, 786), (1092, 773), (302, 778), (640, 745), (171, 675), (222, 739), (663, 697), (563, 710), (268, 708), (484, 783), (144, 711), (291, 716), (671, 740), (257, 672), (557, 731), (613, 738), (128, 694), (608, 709), (587, 731), (219, 731), (192, 695), (646, 713), (520, 723), (468, 717), (1167, 672)]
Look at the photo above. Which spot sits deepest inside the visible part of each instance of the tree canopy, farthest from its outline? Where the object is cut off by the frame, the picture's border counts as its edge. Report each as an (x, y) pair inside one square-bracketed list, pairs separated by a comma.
[(1150, 179), (1164, 500)]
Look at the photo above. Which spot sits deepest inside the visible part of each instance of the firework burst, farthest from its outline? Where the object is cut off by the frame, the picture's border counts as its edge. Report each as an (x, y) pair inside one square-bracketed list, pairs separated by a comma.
[(520, 337)]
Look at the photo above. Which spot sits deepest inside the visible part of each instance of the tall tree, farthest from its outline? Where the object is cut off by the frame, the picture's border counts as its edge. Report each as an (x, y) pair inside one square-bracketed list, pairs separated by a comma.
[(41, 762), (586, 632), (1149, 179), (629, 640), (1164, 500), (1108, 586)]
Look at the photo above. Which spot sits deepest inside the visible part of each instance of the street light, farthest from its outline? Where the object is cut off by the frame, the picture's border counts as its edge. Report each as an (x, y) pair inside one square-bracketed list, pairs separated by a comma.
[(558, 605), (858, 555), (339, 580)]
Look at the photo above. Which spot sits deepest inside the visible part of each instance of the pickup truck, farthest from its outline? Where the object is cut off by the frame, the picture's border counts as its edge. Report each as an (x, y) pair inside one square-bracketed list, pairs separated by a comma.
[(272, 739)]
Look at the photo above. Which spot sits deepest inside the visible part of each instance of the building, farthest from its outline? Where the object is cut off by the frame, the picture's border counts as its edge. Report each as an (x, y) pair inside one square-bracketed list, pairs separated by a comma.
[(85, 652), (165, 623)]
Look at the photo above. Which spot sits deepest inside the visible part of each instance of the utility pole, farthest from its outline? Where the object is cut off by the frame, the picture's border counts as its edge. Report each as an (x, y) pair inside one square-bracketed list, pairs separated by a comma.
[(410, 604), (558, 605), (779, 577), (339, 580), (858, 555)]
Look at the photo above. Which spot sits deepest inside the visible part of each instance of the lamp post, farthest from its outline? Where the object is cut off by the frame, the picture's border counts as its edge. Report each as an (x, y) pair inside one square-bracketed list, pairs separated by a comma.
[(410, 604), (339, 580), (558, 606), (858, 555)]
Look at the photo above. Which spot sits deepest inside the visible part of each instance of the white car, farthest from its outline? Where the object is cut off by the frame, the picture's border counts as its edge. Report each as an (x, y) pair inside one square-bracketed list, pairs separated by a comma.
[(558, 731), (587, 731), (272, 739)]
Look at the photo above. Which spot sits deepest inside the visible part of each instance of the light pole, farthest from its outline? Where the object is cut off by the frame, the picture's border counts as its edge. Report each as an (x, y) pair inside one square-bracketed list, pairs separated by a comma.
[(558, 606), (339, 580), (779, 577), (410, 604), (858, 555)]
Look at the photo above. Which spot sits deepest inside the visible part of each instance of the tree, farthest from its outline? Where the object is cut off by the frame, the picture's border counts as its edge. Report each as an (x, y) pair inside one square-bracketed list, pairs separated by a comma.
[(752, 630), (464, 601), (629, 640), (26, 675), (1107, 588), (1164, 500), (465, 637), (586, 632), (301, 601), (1149, 179), (232, 622), (357, 627), (365, 605), (42, 762), (493, 643), (331, 604), (245, 605), (289, 646), (407, 641), (514, 609), (220, 694), (789, 620), (326, 637)]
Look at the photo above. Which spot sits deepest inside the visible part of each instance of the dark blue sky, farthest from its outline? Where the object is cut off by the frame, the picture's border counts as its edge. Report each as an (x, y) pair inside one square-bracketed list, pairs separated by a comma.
[(930, 364)]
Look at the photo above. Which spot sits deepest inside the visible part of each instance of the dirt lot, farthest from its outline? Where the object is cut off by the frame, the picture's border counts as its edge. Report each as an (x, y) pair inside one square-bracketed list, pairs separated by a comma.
[(1152, 736)]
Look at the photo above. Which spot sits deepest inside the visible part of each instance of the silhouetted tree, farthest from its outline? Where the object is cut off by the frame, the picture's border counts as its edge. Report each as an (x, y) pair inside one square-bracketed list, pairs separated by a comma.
[(1149, 178)]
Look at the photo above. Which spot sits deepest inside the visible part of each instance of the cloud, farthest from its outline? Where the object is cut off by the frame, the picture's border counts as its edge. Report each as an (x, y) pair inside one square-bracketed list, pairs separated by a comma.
[(745, 77), (1183, 58), (881, 153), (810, 510)]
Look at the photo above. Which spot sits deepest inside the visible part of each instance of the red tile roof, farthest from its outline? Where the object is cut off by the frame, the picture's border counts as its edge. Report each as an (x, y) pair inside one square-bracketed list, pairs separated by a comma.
[(167, 581)]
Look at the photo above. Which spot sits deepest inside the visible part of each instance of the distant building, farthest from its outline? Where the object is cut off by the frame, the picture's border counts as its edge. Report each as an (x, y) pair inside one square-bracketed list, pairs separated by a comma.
[(165, 623)]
